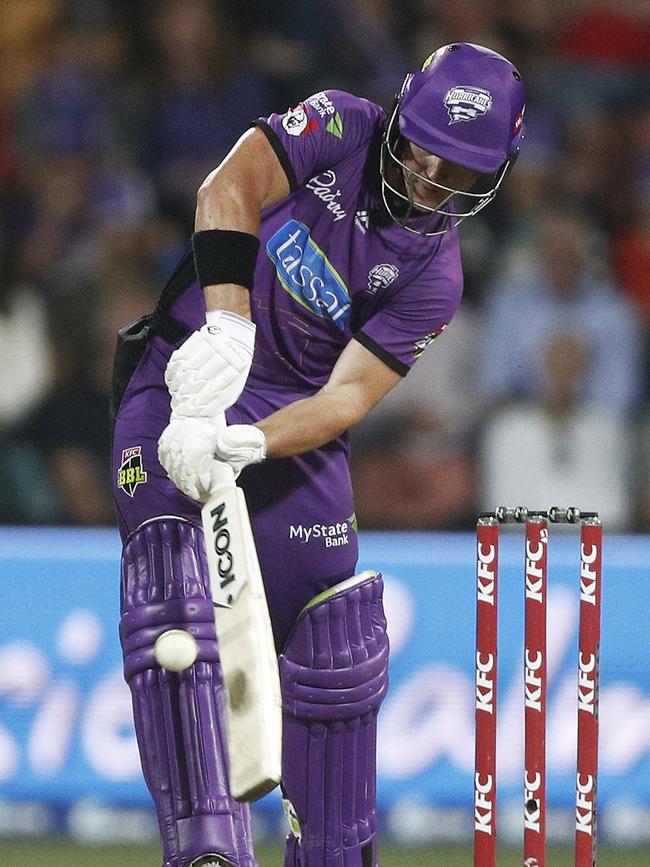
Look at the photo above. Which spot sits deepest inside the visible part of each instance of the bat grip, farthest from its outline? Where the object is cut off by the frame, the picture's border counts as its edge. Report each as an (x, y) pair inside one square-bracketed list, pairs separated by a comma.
[(222, 475)]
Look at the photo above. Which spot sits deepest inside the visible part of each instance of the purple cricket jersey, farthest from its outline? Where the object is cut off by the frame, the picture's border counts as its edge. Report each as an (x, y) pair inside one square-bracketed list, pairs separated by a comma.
[(329, 271), (326, 273)]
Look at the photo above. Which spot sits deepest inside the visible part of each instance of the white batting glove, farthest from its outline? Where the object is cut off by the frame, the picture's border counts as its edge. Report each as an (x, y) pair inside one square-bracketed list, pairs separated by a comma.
[(240, 445), (206, 375), (186, 451)]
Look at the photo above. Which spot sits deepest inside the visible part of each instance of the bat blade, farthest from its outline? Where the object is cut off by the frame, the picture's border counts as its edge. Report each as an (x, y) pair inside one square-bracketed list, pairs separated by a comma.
[(246, 649)]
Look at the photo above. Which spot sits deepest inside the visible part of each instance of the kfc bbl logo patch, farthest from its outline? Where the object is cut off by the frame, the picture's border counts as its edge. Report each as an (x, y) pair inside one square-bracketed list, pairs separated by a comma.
[(131, 474), (420, 345), (465, 102)]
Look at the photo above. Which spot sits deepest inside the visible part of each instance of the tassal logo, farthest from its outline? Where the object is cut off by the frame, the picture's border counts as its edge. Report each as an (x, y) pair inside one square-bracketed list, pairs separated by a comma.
[(307, 275)]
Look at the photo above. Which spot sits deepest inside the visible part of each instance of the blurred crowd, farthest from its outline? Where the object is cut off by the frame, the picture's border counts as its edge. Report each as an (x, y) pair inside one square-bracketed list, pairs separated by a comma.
[(113, 112)]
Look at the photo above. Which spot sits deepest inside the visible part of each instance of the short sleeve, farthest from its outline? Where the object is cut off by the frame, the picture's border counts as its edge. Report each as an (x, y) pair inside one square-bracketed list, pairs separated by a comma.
[(320, 132), (402, 328)]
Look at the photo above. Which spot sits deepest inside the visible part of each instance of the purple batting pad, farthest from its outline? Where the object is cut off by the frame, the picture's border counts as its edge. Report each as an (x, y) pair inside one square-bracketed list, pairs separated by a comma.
[(179, 718), (334, 672)]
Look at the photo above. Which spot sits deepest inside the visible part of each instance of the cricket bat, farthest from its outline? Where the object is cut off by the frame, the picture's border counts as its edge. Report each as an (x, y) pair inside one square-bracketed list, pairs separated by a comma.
[(246, 649)]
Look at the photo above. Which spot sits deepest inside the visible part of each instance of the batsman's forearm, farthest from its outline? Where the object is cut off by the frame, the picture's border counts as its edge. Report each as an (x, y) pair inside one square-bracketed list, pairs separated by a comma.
[(221, 209), (308, 424), (232, 196)]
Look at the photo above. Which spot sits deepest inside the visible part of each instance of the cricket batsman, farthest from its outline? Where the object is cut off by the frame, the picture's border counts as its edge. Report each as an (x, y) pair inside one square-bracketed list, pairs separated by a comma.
[(325, 259)]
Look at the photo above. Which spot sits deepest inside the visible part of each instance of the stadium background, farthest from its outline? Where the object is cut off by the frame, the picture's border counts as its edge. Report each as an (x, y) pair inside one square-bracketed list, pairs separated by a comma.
[(111, 113)]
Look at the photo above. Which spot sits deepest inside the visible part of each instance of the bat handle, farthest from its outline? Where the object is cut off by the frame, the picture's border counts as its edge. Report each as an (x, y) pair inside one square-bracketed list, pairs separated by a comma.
[(222, 475)]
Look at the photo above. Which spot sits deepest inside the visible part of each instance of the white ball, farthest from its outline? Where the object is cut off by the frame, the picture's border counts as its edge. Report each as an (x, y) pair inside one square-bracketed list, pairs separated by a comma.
[(175, 650)]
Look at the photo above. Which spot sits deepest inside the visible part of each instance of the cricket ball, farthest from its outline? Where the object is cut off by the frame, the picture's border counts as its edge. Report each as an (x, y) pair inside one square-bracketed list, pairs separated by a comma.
[(175, 650)]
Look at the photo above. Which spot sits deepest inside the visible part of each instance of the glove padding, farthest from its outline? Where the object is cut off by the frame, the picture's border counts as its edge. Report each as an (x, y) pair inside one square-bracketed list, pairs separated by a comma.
[(206, 375), (240, 445), (191, 449), (186, 450)]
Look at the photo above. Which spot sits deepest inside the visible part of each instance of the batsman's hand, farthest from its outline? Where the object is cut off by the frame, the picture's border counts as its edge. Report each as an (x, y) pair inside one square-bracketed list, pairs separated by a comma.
[(186, 451), (240, 445), (191, 450), (206, 375)]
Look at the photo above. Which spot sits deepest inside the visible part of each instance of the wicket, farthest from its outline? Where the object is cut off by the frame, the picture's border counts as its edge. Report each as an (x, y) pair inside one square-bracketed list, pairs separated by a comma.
[(535, 622)]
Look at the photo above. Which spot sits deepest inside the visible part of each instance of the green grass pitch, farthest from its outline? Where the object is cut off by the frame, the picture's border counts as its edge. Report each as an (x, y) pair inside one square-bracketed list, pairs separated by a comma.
[(58, 853)]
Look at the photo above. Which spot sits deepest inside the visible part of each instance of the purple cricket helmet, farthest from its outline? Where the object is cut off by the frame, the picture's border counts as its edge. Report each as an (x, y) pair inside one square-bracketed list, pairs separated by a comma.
[(466, 105)]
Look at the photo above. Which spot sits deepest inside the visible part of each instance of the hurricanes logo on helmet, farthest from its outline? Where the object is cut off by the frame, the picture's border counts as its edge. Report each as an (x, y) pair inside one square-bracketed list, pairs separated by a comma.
[(465, 103)]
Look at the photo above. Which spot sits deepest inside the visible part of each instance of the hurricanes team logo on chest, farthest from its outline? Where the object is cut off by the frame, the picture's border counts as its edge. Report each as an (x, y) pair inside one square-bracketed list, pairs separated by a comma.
[(381, 276), (131, 472)]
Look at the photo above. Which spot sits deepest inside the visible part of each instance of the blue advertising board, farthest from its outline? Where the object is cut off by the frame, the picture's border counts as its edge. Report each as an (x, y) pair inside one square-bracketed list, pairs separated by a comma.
[(66, 732)]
